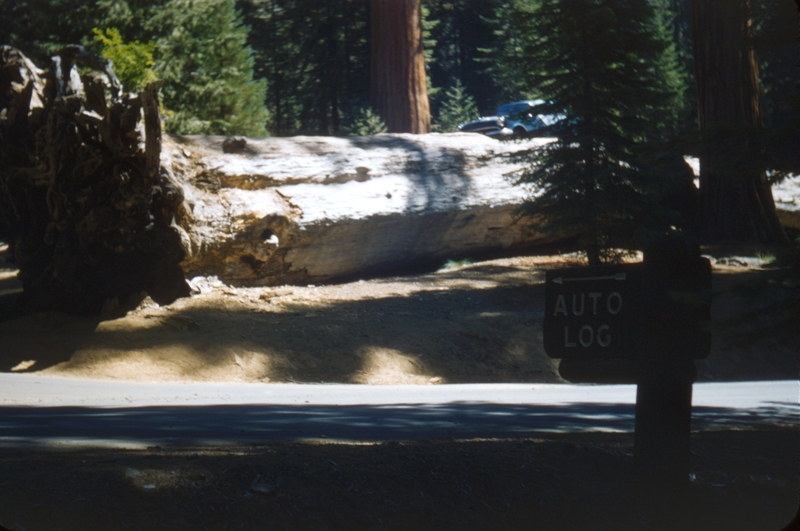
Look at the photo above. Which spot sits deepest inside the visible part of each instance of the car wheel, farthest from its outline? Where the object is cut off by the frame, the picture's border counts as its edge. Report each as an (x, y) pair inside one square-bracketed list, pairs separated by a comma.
[(520, 131)]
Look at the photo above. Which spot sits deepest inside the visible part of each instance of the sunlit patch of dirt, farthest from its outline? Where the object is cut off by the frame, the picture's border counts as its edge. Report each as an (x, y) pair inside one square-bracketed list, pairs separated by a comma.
[(388, 366), (470, 322)]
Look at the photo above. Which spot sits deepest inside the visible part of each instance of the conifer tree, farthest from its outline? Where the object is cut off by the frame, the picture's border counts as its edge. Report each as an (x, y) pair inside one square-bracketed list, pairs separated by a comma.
[(777, 33), (464, 42), (40, 27), (315, 56), (608, 70), (132, 62), (207, 68), (365, 122), (458, 107)]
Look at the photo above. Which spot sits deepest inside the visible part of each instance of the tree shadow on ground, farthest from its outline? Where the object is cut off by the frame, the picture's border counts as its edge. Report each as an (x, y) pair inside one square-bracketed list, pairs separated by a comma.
[(32, 339), (482, 323), (267, 423), (456, 334), (742, 480)]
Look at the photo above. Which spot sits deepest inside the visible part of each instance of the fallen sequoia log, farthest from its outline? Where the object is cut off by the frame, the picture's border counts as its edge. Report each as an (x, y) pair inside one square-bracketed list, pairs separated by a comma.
[(787, 202), (98, 213), (314, 209), (100, 209)]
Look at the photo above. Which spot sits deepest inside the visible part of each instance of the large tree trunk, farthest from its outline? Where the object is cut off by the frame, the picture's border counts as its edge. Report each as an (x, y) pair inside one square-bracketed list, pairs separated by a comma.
[(84, 205), (397, 63), (736, 203)]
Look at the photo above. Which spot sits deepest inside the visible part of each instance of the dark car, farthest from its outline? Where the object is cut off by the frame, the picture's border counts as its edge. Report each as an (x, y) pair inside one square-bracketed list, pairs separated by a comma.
[(520, 118), (487, 125), (525, 117)]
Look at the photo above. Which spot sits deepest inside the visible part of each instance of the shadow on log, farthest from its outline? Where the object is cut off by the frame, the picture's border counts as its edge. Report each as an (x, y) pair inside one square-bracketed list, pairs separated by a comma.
[(99, 212), (84, 204)]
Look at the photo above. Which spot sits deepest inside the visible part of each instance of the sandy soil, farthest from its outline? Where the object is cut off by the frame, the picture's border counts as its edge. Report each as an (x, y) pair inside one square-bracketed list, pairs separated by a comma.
[(476, 322)]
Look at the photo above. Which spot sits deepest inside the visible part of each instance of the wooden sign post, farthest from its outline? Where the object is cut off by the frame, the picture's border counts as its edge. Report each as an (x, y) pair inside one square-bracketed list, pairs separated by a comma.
[(653, 314)]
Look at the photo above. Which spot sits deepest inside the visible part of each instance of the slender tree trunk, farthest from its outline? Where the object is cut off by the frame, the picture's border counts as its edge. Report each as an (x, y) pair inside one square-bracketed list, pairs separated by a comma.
[(334, 62), (593, 243), (398, 87), (275, 87), (736, 201)]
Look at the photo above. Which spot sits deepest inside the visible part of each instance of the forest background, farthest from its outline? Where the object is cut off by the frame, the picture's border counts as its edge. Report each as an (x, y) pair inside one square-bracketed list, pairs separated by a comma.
[(292, 67)]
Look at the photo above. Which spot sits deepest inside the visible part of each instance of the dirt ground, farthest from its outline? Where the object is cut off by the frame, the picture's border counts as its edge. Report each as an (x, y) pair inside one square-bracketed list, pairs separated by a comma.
[(468, 322)]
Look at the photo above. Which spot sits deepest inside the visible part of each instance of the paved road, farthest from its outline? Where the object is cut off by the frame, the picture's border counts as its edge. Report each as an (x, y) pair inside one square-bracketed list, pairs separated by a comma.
[(36, 410)]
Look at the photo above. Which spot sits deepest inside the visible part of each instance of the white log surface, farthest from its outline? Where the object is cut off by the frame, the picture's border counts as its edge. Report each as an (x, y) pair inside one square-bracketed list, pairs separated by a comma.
[(305, 210), (311, 209), (787, 201)]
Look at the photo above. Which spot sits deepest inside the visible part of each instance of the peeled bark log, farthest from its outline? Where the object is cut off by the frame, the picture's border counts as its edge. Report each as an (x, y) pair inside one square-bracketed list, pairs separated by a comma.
[(315, 209), (787, 202), (85, 208), (97, 216)]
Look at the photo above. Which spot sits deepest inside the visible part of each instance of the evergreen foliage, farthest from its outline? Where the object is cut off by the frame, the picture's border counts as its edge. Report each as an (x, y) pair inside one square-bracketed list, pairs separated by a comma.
[(464, 42), (429, 44), (457, 107), (39, 27), (207, 68), (132, 62), (365, 122), (776, 45), (499, 57), (315, 55), (608, 69), (668, 68), (200, 53), (676, 18)]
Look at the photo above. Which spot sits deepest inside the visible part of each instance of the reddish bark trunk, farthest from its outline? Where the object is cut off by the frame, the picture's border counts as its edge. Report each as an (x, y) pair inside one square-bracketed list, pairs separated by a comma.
[(398, 83), (736, 201)]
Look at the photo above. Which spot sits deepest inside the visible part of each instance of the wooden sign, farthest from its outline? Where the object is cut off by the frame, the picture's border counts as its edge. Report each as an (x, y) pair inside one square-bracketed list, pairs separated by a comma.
[(657, 309), (591, 312), (644, 323)]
